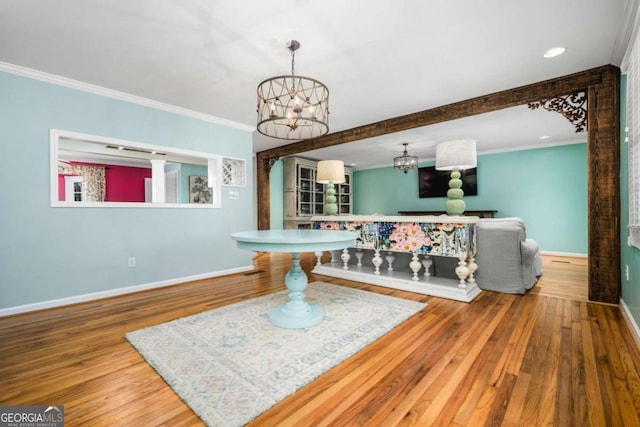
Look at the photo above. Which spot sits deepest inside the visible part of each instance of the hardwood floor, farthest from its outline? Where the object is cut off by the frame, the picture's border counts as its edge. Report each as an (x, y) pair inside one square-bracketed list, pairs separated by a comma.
[(545, 358), (564, 277)]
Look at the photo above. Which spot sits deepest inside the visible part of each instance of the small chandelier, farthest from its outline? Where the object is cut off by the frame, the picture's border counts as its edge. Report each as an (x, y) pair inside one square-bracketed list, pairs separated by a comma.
[(405, 162), (293, 107)]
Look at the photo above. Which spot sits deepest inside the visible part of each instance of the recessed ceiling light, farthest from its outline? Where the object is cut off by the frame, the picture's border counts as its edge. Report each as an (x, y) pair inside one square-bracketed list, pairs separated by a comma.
[(554, 52), (543, 137)]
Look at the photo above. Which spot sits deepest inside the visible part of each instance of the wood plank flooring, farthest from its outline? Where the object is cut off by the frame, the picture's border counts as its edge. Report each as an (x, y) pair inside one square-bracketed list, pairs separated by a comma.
[(545, 358), (564, 277)]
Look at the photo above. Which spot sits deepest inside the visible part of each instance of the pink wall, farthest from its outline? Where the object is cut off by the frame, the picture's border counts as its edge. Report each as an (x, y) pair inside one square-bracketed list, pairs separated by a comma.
[(123, 183), (61, 187)]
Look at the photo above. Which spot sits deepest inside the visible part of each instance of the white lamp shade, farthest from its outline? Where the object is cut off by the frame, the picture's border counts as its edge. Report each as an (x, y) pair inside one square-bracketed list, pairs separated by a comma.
[(456, 155), (330, 171)]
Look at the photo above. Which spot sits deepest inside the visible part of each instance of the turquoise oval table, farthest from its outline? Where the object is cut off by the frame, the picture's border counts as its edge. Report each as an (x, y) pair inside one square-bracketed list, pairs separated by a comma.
[(296, 313)]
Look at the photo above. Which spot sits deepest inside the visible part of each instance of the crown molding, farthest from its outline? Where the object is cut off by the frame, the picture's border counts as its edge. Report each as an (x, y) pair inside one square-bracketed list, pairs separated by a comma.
[(122, 96)]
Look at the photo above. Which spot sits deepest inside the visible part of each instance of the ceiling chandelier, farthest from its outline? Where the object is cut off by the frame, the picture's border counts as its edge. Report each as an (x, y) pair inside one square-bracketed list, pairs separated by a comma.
[(293, 107), (405, 162)]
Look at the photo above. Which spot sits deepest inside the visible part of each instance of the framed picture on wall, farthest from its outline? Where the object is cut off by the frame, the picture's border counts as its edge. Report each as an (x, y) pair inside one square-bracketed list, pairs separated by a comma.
[(199, 191)]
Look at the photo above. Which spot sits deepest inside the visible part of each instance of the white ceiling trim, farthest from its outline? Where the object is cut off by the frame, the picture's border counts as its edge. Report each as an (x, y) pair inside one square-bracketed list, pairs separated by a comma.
[(530, 147), (122, 96)]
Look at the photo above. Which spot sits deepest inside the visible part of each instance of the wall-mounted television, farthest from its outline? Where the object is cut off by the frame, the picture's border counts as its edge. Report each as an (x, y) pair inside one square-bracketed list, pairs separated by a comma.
[(435, 183)]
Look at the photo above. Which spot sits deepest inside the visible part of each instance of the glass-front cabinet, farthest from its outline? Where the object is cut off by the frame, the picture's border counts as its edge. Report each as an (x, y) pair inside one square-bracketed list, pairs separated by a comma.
[(304, 197), (343, 194), (305, 200)]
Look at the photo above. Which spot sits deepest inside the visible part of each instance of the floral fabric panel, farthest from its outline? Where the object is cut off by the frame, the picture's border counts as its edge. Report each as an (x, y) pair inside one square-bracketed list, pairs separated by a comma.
[(445, 239), (93, 179)]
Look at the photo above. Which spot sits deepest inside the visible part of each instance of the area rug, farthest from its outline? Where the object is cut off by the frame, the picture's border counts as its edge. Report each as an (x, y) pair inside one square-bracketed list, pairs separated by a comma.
[(230, 364)]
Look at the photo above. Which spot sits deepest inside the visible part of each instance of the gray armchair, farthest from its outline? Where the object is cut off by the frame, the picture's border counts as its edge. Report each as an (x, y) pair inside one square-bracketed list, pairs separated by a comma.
[(507, 261)]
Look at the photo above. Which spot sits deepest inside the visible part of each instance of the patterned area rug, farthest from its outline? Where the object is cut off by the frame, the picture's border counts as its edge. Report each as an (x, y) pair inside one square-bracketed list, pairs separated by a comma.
[(230, 364)]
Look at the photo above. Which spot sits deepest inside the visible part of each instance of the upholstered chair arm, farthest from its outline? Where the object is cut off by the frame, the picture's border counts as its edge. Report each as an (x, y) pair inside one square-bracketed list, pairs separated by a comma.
[(529, 250)]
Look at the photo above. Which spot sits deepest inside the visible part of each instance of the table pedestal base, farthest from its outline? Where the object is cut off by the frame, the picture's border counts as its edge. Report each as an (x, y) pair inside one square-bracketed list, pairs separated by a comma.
[(296, 313), (281, 317)]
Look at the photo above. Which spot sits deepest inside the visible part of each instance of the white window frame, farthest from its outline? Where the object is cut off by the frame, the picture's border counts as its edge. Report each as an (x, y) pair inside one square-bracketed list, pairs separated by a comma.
[(70, 188)]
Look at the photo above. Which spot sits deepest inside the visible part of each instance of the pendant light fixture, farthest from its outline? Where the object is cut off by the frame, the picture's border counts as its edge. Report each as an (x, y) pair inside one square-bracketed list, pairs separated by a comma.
[(293, 107), (405, 162)]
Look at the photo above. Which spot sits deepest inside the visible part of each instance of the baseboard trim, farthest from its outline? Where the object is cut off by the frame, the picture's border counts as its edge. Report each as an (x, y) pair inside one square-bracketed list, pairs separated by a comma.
[(115, 292), (571, 254), (631, 323)]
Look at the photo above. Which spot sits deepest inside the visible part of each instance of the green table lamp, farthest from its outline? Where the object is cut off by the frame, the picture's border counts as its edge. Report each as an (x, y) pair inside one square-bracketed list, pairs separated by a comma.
[(454, 156), (330, 172)]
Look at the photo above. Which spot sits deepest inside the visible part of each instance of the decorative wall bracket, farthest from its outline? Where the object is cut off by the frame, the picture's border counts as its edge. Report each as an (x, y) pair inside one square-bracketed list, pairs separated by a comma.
[(573, 107), (270, 162)]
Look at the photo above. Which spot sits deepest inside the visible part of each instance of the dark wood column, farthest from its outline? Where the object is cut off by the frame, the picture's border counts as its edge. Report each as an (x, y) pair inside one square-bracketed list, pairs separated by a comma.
[(602, 87), (604, 187), (263, 170)]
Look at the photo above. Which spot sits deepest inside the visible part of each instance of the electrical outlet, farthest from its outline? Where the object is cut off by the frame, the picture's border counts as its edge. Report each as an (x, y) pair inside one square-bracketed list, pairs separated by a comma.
[(132, 262), (234, 195), (626, 271)]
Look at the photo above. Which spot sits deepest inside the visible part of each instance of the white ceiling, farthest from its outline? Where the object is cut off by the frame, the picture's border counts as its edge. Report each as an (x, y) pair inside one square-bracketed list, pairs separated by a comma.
[(380, 59)]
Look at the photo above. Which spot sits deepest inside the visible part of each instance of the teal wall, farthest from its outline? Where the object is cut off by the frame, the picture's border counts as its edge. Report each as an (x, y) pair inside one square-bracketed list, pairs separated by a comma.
[(54, 253), (547, 187), (629, 256), (186, 171)]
